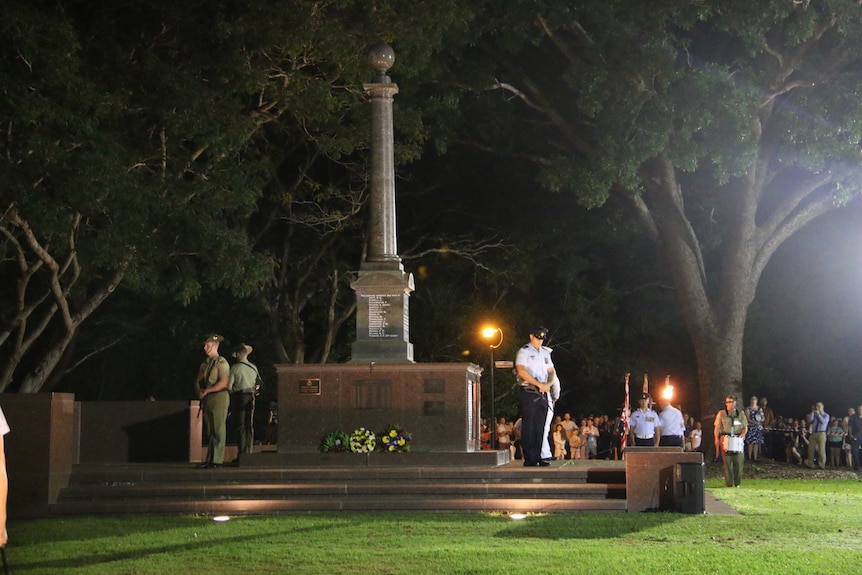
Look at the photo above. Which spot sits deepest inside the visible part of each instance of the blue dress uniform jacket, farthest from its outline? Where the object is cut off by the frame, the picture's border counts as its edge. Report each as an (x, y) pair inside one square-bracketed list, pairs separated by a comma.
[(537, 361), (534, 405), (643, 423)]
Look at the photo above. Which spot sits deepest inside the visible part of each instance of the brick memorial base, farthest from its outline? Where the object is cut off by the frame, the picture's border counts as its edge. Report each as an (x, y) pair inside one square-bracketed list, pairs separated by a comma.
[(651, 477), (438, 403)]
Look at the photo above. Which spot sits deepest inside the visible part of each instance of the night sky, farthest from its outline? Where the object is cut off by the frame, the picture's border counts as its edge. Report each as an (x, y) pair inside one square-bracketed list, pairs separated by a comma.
[(811, 302)]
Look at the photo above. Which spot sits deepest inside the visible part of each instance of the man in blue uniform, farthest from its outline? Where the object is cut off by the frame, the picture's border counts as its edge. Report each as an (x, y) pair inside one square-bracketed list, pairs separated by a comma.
[(643, 423), (535, 370)]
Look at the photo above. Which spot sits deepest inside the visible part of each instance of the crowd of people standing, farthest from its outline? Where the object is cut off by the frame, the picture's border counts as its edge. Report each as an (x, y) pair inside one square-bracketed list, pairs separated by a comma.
[(815, 440), (539, 436), (592, 437)]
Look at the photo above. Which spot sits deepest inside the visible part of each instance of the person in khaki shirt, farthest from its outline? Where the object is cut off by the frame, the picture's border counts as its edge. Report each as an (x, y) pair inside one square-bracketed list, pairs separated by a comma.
[(242, 384), (211, 384), (730, 422)]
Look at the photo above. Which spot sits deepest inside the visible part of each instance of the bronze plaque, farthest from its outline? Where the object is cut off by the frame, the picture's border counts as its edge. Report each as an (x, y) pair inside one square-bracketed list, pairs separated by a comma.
[(309, 387)]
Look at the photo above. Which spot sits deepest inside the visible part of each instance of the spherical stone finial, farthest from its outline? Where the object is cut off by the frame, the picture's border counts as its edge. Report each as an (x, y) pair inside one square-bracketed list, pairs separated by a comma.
[(381, 57)]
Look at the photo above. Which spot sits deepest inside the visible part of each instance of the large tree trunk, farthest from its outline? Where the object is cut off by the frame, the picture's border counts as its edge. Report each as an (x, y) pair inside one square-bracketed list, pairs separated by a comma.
[(719, 372), (715, 304), (714, 314)]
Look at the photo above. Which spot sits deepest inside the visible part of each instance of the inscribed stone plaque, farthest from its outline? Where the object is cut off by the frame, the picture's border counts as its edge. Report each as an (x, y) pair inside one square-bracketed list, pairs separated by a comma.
[(372, 393), (381, 321), (435, 386)]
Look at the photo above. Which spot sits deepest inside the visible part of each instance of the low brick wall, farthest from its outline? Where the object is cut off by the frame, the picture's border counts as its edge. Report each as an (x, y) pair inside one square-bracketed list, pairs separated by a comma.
[(51, 432), (41, 448), (135, 431)]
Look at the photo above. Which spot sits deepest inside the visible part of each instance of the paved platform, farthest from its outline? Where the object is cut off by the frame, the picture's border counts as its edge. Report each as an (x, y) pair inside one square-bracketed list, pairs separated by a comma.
[(713, 504), (328, 484)]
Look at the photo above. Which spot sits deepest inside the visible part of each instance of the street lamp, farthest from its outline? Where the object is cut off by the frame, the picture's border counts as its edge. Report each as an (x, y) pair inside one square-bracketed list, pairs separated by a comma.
[(489, 333)]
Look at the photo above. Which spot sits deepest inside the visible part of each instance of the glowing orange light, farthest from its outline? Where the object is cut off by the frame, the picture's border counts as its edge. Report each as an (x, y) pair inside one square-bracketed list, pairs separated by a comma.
[(489, 332)]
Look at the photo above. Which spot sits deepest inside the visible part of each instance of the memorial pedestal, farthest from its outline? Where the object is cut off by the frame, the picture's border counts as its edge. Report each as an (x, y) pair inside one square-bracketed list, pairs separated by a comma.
[(382, 315), (438, 403)]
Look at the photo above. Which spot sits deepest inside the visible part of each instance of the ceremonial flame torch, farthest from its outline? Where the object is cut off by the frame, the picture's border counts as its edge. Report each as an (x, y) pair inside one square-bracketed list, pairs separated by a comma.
[(668, 389)]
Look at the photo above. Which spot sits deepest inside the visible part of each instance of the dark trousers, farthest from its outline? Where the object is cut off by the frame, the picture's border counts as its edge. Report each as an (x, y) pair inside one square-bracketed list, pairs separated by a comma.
[(243, 410), (767, 449), (670, 441), (857, 443), (534, 410)]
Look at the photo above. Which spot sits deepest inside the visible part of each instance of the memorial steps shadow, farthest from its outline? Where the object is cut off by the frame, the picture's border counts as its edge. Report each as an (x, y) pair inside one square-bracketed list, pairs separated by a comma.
[(179, 488)]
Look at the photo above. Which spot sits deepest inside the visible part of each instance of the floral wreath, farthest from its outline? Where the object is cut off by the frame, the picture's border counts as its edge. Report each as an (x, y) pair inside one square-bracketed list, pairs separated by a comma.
[(335, 441), (363, 440), (394, 438)]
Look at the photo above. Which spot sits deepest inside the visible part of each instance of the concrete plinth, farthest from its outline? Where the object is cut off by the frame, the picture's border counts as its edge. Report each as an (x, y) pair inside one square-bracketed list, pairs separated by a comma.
[(438, 403), (650, 476), (41, 448)]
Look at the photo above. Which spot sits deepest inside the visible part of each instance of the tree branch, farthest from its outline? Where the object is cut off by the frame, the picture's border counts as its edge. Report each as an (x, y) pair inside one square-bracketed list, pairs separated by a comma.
[(498, 85), (56, 270), (790, 204), (781, 228), (469, 249), (94, 352)]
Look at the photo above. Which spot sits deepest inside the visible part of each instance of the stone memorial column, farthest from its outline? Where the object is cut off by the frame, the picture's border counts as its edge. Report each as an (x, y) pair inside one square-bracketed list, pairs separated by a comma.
[(382, 286)]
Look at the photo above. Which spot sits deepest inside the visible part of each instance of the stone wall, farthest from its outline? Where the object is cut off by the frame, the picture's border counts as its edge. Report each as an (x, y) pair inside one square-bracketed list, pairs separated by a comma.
[(135, 431)]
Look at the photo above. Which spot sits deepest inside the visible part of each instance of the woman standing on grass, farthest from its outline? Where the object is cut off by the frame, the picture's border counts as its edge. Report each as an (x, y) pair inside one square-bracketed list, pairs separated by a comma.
[(835, 440), (754, 437)]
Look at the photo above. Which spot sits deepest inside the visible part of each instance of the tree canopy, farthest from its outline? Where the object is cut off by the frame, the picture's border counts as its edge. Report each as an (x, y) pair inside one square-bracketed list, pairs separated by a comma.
[(169, 150), (201, 166), (724, 126)]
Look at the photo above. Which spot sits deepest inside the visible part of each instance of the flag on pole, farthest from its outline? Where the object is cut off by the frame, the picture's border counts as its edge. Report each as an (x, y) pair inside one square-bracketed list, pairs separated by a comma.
[(626, 414)]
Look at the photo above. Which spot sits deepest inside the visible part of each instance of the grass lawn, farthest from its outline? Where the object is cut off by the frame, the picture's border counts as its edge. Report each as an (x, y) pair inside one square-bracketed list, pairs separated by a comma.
[(785, 526)]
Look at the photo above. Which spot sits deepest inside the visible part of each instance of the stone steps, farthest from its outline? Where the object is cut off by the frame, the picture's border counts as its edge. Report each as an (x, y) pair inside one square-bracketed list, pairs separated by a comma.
[(180, 488)]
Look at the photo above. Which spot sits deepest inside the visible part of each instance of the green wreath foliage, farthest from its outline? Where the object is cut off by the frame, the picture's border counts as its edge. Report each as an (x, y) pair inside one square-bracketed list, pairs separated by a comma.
[(335, 442)]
